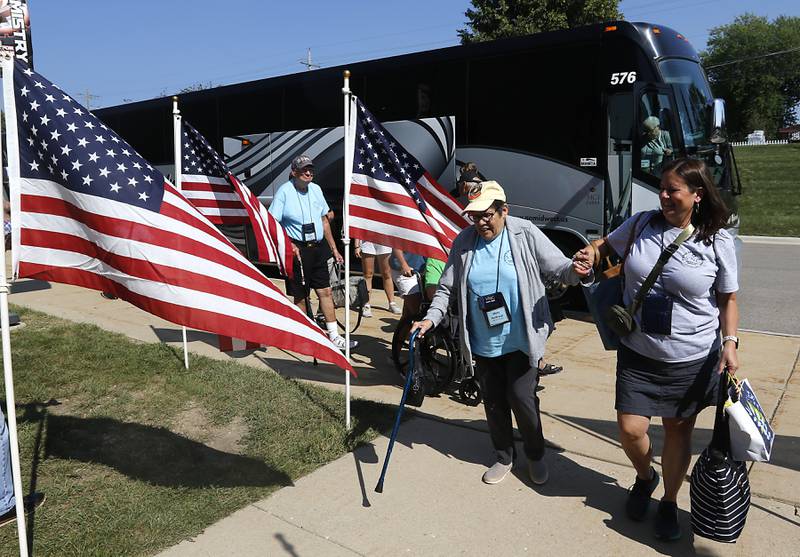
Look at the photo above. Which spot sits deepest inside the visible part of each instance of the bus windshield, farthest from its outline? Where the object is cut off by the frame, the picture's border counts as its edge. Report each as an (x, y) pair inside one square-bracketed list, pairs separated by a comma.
[(694, 100), (693, 97)]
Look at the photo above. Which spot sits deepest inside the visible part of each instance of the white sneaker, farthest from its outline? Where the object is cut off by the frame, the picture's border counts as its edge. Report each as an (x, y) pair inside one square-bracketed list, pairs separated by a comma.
[(366, 311), (496, 473), (394, 308), (339, 342)]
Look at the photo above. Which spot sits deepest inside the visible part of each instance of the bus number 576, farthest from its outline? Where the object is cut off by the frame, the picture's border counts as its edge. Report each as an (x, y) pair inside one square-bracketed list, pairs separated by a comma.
[(623, 77)]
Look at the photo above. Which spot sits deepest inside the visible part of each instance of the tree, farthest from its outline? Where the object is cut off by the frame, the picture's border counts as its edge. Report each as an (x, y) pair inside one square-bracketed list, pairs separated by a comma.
[(496, 19), (199, 86), (754, 64)]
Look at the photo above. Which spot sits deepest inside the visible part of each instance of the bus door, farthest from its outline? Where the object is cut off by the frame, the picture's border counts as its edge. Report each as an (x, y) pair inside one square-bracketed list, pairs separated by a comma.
[(620, 142), (657, 140)]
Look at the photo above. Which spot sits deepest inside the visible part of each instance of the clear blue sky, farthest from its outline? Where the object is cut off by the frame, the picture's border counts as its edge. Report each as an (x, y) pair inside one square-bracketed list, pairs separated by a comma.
[(123, 51)]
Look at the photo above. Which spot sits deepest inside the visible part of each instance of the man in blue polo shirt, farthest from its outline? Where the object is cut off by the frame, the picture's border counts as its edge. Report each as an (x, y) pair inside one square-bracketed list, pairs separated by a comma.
[(302, 210)]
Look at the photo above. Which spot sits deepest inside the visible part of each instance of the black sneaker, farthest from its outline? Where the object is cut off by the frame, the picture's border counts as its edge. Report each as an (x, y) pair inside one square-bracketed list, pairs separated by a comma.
[(667, 527), (30, 502), (639, 497)]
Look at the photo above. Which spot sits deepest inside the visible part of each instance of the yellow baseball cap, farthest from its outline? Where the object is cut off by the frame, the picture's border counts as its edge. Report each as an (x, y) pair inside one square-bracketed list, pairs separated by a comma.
[(482, 196)]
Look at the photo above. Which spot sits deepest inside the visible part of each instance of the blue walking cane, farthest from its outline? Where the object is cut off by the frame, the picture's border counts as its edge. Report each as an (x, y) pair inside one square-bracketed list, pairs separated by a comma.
[(409, 379)]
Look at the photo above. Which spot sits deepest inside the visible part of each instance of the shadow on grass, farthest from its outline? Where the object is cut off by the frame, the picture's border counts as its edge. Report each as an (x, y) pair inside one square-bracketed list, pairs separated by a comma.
[(153, 454)]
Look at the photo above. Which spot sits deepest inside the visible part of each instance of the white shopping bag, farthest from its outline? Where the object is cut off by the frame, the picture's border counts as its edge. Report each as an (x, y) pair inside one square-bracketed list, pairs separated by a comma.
[(751, 434)]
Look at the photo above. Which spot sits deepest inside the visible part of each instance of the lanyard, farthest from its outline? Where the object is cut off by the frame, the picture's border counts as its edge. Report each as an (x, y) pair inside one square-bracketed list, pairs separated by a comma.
[(300, 202), (499, 257)]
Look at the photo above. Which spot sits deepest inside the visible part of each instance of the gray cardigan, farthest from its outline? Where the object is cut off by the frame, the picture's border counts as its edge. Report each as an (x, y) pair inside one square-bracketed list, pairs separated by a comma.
[(533, 254)]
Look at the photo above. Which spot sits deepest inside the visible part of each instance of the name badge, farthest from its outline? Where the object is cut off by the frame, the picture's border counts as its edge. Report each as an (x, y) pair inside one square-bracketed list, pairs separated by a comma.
[(494, 309), (657, 314), (309, 232)]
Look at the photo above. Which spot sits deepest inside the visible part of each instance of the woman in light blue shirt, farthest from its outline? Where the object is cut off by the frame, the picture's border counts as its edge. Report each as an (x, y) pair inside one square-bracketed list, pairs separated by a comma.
[(494, 269)]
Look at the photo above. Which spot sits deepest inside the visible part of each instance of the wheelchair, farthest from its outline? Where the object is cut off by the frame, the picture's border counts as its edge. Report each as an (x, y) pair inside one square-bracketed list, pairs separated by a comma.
[(438, 354)]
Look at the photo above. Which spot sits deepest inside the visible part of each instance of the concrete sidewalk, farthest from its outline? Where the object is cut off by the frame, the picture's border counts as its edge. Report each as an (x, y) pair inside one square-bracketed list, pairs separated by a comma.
[(434, 502)]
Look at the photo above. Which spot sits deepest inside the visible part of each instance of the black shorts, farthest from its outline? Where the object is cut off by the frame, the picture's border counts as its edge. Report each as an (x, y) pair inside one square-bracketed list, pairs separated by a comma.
[(315, 269)]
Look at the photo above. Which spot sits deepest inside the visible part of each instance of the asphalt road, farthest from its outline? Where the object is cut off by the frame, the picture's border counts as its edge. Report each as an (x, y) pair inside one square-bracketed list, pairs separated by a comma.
[(769, 293)]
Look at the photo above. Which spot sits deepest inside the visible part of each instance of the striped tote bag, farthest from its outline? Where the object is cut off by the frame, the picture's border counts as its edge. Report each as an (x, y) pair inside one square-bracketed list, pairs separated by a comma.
[(720, 489)]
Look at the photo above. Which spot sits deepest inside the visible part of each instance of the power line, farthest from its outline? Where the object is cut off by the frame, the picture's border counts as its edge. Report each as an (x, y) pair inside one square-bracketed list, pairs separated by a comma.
[(737, 61), (338, 59), (674, 6)]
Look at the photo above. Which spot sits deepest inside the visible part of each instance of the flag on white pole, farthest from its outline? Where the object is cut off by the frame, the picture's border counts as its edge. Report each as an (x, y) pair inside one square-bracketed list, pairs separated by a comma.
[(94, 213), (393, 200), (8, 372), (348, 165), (211, 187), (176, 144)]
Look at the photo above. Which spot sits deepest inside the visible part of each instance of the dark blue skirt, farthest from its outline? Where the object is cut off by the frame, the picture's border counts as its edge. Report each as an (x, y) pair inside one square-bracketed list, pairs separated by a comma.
[(647, 387)]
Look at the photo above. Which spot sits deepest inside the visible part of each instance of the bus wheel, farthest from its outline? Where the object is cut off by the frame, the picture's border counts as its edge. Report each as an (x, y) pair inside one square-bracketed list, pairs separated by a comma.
[(555, 290)]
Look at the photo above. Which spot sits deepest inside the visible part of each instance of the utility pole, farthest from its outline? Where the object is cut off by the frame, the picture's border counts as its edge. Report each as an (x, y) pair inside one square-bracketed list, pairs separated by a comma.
[(87, 98), (307, 62)]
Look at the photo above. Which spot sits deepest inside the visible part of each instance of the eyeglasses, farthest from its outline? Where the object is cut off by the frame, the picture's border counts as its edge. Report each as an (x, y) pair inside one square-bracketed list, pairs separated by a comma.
[(307, 170), (481, 217)]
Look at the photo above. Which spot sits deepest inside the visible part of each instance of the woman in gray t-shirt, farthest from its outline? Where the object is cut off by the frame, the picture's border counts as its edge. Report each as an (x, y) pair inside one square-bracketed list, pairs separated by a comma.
[(686, 329)]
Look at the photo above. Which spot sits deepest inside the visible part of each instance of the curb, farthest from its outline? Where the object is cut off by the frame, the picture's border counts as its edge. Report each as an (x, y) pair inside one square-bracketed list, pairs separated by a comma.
[(778, 240)]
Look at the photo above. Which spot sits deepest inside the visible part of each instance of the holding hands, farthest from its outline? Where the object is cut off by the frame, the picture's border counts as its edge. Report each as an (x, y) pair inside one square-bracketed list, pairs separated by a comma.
[(583, 261)]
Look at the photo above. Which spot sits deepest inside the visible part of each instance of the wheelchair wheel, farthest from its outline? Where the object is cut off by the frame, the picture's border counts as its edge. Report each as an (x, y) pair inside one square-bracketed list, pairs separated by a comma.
[(470, 392), (435, 353)]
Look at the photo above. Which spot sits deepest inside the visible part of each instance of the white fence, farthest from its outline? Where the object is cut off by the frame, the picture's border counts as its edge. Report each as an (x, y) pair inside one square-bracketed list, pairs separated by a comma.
[(770, 142)]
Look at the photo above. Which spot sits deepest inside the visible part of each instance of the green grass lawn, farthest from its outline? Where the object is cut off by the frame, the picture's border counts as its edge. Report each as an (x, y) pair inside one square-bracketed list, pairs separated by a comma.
[(135, 453), (770, 201)]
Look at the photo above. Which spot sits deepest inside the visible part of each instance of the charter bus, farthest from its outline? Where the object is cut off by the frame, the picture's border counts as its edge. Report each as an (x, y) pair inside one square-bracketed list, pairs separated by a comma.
[(557, 118)]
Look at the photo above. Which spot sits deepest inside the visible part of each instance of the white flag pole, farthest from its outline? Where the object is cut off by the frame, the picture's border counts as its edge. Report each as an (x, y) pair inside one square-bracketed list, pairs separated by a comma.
[(8, 372), (348, 171), (176, 120)]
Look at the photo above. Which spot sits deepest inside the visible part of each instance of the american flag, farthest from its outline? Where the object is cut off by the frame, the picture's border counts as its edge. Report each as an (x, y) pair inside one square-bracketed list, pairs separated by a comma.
[(88, 210), (228, 344), (394, 201), (209, 185)]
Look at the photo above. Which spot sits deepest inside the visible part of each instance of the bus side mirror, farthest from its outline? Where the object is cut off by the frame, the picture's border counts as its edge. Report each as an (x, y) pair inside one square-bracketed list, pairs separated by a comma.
[(718, 133)]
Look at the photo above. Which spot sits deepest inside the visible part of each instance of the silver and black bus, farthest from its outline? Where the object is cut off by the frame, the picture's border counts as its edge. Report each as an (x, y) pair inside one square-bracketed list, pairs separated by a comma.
[(561, 119)]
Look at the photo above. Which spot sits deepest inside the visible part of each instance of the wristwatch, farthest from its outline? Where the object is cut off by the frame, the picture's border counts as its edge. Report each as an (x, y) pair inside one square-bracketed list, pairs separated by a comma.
[(734, 338)]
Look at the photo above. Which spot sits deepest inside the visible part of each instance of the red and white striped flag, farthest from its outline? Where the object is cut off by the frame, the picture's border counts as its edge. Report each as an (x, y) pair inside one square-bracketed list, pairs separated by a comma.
[(209, 184), (394, 201), (228, 344), (88, 210)]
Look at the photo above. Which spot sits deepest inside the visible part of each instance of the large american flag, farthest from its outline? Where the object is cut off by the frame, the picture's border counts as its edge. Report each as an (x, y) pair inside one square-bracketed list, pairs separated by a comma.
[(394, 201), (88, 210), (209, 184)]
